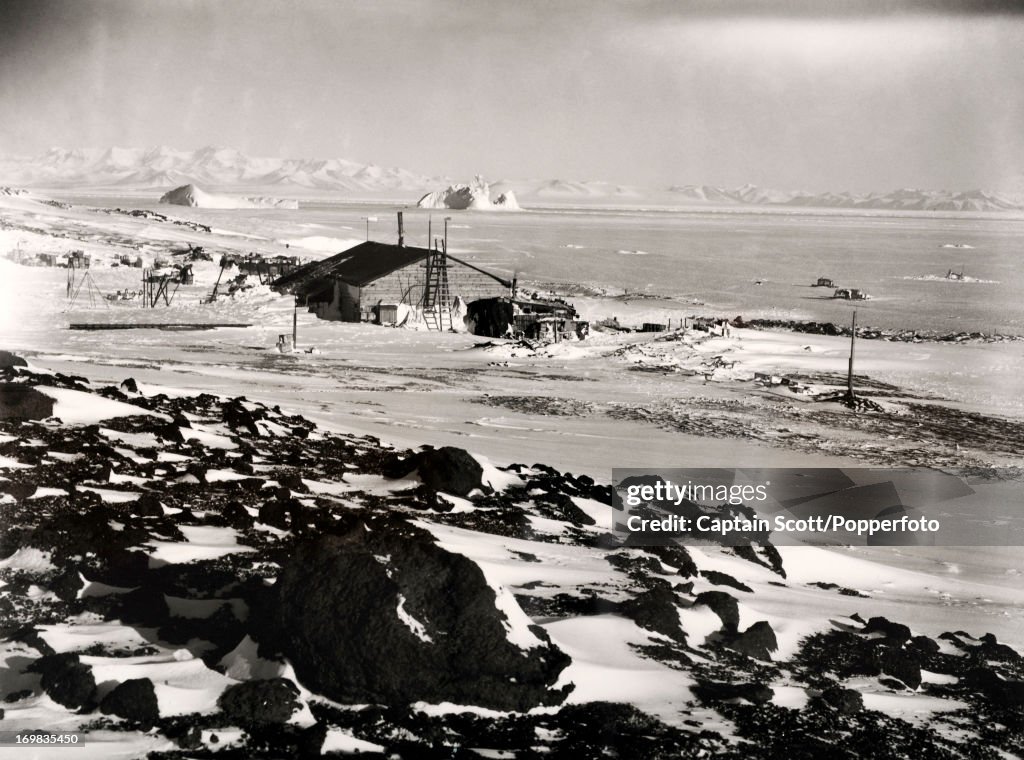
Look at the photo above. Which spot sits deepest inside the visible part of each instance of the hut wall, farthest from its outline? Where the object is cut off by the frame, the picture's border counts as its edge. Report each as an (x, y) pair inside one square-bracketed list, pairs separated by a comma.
[(406, 286), (348, 301)]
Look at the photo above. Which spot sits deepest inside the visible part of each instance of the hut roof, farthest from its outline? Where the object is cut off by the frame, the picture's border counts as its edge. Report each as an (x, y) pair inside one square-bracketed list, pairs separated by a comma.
[(359, 266)]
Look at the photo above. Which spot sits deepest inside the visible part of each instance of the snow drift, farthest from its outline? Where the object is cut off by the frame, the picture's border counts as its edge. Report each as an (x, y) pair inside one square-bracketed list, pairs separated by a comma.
[(190, 195)]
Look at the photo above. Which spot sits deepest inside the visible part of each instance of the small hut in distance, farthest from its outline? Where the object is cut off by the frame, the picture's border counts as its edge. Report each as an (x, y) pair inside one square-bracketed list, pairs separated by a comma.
[(372, 281)]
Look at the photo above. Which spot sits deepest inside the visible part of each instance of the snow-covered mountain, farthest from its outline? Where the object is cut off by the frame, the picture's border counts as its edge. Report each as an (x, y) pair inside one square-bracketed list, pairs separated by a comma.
[(229, 169), (906, 199), (217, 167)]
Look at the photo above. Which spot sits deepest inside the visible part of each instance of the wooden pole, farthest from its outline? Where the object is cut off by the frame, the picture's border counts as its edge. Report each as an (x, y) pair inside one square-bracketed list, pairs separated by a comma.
[(295, 325), (853, 344)]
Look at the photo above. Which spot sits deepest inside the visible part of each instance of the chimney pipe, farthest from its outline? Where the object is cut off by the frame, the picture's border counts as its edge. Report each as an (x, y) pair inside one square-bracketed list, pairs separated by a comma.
[(401, 230)]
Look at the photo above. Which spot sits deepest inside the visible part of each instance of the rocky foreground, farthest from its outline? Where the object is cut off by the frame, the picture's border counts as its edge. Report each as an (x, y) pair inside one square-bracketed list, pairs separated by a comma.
[(203, 576)]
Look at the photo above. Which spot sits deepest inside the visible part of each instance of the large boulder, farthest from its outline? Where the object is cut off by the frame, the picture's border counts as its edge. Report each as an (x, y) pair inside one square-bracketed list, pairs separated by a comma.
[(66, 680), (446, 469), (9, 360), (260, 702), (23, 402), (846, 701), (724, 605), (758, 641), (133, 700), (387, 616)]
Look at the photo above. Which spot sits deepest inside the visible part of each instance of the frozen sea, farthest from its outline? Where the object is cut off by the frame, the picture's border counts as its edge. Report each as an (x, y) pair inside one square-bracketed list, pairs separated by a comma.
[(750, 263)]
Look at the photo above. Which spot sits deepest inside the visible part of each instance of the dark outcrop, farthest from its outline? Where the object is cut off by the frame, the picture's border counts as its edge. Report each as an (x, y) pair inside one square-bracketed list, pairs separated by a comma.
[(133, 700), (758, 641), (389, 617), (19, 401), (447, 469), (9, 360), (260, 702), (66, 680)]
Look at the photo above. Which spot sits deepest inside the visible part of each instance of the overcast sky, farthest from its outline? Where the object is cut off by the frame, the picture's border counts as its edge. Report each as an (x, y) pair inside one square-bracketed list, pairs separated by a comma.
[(859, 98)]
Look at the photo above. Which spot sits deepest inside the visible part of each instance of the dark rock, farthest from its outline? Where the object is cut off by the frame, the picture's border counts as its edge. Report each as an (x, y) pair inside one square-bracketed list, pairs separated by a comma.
[(999, 690), (237, 515), (714, 691), (899, 664), (129, 385), (66, 584), (275, 513), (311, 740), (895, 631), (18, 489), (293, 482), (446, 469), (185, 736), (774, 559), (758, 641), (259, 702), (724, 605), (338, 613), (846, 701), (30, 635), (66, 680), (656, 611), (23, 402), (675, 556), (724, 579), (144, 606), (133, 700), (990, 649), (147, 505), (9, 360), (560, 506), (168, 431), (238, 417), (923, 646)]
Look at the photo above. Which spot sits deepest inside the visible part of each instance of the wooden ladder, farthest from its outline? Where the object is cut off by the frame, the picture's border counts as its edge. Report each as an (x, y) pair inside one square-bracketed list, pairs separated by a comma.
[(437, 300)]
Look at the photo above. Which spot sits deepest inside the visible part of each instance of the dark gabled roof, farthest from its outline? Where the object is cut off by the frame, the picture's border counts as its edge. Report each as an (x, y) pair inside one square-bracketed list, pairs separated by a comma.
[(372, 260), (357, 266), (360, 266)]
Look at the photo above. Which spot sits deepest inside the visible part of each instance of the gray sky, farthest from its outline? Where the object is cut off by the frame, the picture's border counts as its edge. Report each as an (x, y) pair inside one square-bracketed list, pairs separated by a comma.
[(859, 98)]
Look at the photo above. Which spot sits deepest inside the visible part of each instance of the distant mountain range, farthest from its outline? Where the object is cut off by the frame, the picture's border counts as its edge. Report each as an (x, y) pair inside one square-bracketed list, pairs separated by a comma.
[(164, 168), (229, 169), (906, 199)]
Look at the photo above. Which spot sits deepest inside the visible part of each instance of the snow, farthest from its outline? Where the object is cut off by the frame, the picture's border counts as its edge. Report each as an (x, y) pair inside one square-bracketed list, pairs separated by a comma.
[(244, 663), (28, 559), (414, 625), (111, 635), (605, 668), (190, 195), (322, 243), (81, 408), (183, 683), (202, 542), (476, 196), (389, 378), (341, 741)]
